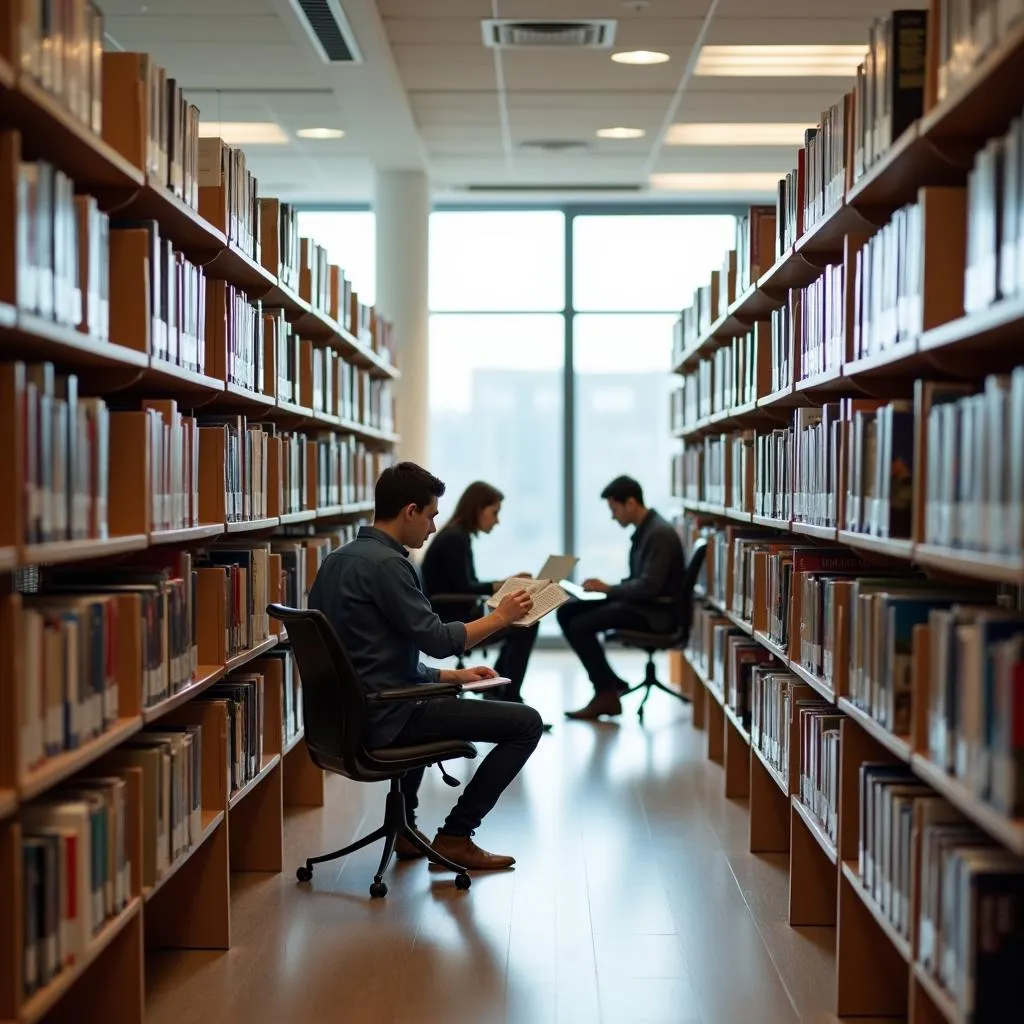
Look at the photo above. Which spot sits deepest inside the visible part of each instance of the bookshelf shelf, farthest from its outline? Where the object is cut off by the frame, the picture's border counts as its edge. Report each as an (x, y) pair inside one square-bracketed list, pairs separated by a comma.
[(827, 236), (830, 382), (995, 326), (50, 132), (293, 742), (979, 564), (252, 525), (1009, 831), (737, 724), (784, 398), (178, 380), (770, 522), (34, 337), (57, 769), (898, 746), (40, 1003), (290, 518), (61, 551), (205, 676), (892, 547), (280, 296), (889, 361), (770, 645), (790, 270), (212, 820), (815, 531), (820, 837), (901, 944), (186, 535), (754, 304), (770, 769), (817, 684), (270, 761), (938, 995), (244, 657), (739, 516), (234, 265), (8, 802), (193, 234), (245, 396)]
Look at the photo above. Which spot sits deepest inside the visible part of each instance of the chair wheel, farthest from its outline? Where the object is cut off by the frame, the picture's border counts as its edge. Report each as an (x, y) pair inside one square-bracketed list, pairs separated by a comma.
[(304, 874), (463, 881), (378, 889)]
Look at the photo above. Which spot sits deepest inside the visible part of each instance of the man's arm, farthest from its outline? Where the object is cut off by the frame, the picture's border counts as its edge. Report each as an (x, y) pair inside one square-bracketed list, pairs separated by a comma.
[(648, 584)]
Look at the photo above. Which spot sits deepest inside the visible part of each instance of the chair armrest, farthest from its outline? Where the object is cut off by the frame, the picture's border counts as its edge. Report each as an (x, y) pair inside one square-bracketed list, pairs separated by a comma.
[(423, 691)]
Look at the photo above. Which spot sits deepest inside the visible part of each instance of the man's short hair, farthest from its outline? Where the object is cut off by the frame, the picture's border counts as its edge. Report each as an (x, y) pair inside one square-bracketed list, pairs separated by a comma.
[(403, 484), (622, 488)]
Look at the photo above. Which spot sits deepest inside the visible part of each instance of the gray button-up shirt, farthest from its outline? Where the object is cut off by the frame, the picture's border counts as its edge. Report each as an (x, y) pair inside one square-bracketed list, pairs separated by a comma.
[(371, 593)]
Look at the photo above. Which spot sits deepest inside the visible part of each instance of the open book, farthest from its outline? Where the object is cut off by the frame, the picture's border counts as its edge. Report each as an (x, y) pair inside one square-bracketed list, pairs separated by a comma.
[(547, 596)]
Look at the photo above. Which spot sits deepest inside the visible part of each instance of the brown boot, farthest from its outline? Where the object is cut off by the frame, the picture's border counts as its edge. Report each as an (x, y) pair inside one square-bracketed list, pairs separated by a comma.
[(405, 850), (606, 702), (462, 850)]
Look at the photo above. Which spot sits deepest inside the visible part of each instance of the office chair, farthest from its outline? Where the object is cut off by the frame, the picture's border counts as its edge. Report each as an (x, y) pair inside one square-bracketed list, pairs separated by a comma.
[(334, 708), (651, 642)]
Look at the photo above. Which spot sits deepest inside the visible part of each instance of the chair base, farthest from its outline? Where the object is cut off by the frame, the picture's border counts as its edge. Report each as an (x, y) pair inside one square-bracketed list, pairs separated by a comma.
[(395, 824), (652, 682)]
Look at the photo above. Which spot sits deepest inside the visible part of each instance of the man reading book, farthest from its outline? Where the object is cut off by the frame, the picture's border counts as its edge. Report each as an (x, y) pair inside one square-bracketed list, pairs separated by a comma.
[(370, 592), (645, 599)]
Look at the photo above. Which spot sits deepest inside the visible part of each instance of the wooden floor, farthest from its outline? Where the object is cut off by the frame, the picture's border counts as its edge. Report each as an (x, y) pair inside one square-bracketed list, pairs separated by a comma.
[(634, 899)]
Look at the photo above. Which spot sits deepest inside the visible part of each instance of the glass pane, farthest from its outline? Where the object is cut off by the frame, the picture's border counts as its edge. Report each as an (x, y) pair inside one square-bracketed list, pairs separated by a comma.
[(349, 236), (622, 426), (496, 414), (646, 263), (497, 260)]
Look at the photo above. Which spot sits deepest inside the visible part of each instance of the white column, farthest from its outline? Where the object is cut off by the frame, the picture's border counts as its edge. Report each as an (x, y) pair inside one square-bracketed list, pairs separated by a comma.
[(402, 207)]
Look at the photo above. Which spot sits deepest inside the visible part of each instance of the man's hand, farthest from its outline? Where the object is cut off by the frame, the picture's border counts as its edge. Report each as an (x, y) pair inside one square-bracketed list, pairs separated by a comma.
[(471, 675), (514, 606), (595, 586)]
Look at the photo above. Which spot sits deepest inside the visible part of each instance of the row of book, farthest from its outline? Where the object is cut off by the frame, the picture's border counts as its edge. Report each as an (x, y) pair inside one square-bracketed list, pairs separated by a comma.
[(944, 886), (818, 724), (967, 32), (60, 46)]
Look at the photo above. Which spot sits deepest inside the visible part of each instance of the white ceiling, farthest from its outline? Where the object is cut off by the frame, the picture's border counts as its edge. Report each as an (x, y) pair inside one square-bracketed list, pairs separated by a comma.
[(429, 95)]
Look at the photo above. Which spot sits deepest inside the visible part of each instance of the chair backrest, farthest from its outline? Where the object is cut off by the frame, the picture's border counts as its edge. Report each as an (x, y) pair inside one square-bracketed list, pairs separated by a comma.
[(692, 573), (333, 699)]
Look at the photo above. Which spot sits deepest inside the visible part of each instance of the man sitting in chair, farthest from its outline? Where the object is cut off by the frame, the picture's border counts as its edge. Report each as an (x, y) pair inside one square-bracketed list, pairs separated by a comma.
[(370, 592), (644, 600)]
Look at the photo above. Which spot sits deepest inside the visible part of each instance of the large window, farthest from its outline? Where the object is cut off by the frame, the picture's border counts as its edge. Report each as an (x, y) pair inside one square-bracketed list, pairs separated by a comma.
[(350, 241)]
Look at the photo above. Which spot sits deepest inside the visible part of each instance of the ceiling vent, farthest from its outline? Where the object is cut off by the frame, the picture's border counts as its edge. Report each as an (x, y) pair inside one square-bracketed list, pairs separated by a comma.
[(555, 146), (328, 30), (582, 33)]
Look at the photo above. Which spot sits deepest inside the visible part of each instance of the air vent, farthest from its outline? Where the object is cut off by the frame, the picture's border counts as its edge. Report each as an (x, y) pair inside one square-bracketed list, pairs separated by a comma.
[(555, 146), (585, 33), (328, 30)]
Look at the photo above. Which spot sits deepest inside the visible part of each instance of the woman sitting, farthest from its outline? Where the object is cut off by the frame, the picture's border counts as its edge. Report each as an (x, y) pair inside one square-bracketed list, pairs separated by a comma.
[(448, 569)]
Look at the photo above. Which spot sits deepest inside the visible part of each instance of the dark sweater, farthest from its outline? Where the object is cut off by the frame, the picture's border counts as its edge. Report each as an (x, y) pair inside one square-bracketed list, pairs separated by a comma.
[(656, 568), (448, 569)]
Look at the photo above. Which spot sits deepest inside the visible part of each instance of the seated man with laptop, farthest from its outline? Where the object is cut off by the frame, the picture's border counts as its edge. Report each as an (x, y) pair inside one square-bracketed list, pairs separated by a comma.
[(646, 599), (370, 592)]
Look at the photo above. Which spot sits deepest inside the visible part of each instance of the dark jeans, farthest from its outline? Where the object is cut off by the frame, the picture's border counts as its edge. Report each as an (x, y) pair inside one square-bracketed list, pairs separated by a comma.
[(582, 621), (514, 728), (516, 646)]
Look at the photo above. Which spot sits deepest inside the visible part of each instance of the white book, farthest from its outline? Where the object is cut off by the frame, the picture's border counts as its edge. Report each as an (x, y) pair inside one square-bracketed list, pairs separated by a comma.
[(547, 596)]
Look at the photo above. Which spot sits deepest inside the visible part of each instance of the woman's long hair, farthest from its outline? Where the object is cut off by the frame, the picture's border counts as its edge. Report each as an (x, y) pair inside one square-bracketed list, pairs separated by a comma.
[(474, 499)]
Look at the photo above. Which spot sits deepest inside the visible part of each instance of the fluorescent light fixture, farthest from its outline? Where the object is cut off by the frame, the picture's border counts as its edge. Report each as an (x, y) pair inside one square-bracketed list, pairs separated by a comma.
[(780, 61), (320, 133), (736, 134), (640, 57), (244, 133), (621, 133), (725, 181)]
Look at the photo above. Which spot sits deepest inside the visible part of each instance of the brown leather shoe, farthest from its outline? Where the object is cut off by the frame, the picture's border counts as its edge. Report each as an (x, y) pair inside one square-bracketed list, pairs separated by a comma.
[(604, 703), (462, 850), (404, 850)]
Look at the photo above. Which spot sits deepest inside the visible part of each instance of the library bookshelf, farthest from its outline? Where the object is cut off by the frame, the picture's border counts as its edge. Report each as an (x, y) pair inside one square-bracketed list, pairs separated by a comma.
[(196, 404), (849, 412)]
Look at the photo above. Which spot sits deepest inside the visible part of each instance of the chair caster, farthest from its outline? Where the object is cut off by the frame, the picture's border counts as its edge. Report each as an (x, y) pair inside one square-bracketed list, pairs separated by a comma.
[(304, 874), (378, 889), (463, 881)]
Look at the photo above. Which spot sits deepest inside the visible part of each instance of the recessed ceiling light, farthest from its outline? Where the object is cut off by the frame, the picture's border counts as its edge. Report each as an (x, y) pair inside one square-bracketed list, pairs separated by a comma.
[(640, 57), (736, 134), (621, 133), (320, 133), (780, 61), (243, 133), (727, 181)]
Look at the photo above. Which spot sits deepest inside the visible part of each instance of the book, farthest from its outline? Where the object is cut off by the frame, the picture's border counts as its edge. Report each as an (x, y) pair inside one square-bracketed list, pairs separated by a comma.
[(547, 596)]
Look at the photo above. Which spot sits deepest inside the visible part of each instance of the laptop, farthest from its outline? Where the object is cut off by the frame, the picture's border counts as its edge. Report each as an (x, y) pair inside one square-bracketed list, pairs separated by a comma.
[(557, 567), (578, 592)]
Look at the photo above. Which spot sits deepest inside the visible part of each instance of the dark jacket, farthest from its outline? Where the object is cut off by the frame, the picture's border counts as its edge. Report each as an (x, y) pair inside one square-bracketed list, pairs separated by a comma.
[(370, 592), (656, 568), (448, 569)]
